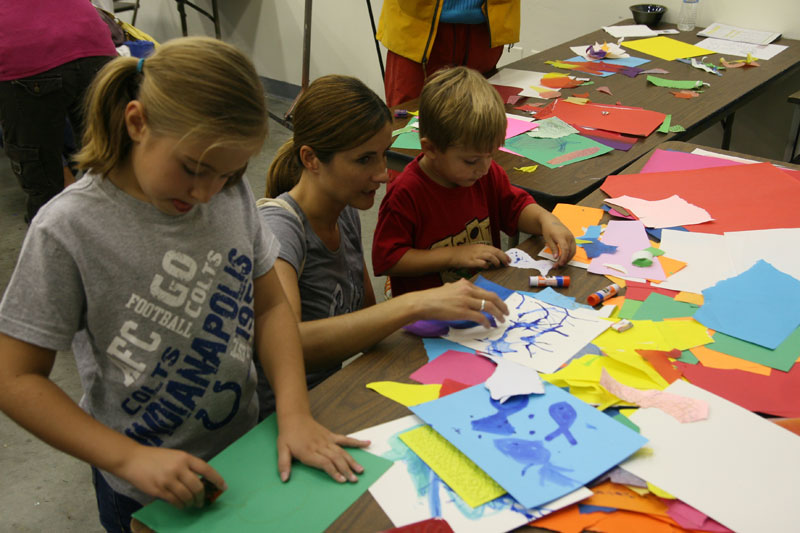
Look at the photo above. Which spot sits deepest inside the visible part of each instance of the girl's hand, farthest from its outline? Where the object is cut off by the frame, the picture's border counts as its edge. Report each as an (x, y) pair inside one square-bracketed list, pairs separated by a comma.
[(559, 239), (477, 256), (171, 475), (460, 300), (302, 437)]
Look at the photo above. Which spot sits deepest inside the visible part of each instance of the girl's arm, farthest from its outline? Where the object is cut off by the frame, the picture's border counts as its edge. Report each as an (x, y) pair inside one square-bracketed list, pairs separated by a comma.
[(278, 347), (33, 401), (536, 220), (329, 341)]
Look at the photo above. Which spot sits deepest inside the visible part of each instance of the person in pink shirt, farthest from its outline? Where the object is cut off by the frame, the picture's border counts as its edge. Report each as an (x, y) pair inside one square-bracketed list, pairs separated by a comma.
[(49, 52)]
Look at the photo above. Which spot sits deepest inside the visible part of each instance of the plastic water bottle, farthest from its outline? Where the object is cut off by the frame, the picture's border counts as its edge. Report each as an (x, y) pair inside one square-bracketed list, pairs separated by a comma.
[(688, 15)]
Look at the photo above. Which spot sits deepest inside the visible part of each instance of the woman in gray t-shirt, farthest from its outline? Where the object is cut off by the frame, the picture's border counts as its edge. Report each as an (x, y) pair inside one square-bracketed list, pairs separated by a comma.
[(333, 166)]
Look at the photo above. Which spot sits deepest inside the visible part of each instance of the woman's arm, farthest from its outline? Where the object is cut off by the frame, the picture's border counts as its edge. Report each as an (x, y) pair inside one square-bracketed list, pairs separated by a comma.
[(29, 398)]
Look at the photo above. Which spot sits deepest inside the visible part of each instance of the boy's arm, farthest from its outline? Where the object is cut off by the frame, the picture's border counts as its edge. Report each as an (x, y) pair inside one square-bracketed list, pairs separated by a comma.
[(278, 346), (33, 401), (536, 220), (417, 262)]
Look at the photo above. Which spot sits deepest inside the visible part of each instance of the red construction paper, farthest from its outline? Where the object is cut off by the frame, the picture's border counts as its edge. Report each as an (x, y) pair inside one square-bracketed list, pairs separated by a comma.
[(775, 394), (739, 197), (622, 119), (450, 386), (506, 91), (530, 107), (661, 363), (581, 95), (431, 525), (637, 290)]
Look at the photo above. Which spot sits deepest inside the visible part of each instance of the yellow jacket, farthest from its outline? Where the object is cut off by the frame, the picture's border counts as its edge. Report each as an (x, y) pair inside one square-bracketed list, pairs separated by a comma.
[(408, 27)]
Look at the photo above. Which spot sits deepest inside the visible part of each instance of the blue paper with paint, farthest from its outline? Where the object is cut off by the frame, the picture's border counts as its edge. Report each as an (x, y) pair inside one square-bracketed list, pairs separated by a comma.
[(759, 306), (537, 447)]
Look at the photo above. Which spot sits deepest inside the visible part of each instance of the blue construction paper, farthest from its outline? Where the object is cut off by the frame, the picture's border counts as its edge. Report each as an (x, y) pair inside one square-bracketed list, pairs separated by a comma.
[(627, 61), (656, 232), (491, 286), (585, 508), (592, 232), (436, 346), (759, 306), (553, 297), (596, 248), (537, 447)]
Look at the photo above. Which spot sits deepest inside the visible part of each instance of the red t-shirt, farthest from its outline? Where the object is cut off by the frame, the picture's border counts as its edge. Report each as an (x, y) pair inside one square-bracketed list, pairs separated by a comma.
[(419, 213), (37, 35)]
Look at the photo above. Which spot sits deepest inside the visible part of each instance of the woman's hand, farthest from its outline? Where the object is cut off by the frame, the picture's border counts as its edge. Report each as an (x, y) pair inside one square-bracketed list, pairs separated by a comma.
[(461, 300)]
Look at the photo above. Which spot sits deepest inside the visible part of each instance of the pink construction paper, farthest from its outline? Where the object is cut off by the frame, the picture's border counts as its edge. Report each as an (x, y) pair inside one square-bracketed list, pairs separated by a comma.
[(662, 213), (515, 127), (629, 237), (466, 368), (670, 160), (681, 408), (690, 518)]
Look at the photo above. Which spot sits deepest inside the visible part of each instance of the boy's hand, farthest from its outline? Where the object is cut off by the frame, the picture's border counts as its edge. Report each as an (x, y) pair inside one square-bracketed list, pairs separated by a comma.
[(171, 475), (304, 438), (559, 239), (478, 256), (461, 300)]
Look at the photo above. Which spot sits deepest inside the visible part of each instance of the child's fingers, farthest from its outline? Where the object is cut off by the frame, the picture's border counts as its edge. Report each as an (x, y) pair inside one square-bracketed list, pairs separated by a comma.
[(339, 458), (284, 462), (207, 471)]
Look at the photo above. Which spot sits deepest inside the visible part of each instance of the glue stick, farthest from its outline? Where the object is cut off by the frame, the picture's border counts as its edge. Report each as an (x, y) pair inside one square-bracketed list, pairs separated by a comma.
[(603, 294), (549, 281)]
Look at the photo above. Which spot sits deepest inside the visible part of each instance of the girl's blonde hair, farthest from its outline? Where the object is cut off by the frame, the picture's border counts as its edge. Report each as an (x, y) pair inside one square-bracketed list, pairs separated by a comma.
[(190, 88), (334, 114), (459, 107)]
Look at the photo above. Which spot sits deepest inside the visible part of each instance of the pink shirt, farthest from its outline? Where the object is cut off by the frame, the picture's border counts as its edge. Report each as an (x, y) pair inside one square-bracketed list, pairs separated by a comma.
[(37, 35)]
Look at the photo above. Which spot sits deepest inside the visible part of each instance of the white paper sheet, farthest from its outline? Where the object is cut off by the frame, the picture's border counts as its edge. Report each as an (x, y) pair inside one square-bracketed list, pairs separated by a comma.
[(630, 30), (727, 32), (776, 246), (706, 255), (520, 78), (732, 48), (736, 467)]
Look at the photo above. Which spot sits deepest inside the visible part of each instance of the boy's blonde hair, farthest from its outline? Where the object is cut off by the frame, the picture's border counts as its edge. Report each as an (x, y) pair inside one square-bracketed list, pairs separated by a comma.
[(459, 107), (194, 88), (336, 113)]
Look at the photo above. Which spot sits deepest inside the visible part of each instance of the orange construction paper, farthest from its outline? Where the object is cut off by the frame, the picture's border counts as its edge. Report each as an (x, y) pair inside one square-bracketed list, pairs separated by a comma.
[(792, 424), (576, 218), (610, 494), (581, 95), (689, 298), (714, 359), (616, 300), (560, 82), (764, 193), (619, 281), (627, 521), (670, 265), (568, 520), (660, 361)]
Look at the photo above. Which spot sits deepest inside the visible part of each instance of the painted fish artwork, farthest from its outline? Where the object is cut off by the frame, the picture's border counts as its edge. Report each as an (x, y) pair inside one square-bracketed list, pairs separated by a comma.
[(535, 334), (539, 448)]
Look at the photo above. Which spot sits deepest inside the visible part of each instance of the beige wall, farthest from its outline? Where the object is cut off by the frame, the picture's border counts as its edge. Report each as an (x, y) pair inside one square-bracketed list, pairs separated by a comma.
[(271, 31)]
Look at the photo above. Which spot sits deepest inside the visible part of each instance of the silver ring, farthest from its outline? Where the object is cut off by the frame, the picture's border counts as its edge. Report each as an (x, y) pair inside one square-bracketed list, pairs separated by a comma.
[(483, 305)]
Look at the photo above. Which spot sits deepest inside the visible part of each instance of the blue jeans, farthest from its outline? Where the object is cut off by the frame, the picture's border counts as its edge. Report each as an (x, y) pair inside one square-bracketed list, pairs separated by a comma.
[(115, 509)]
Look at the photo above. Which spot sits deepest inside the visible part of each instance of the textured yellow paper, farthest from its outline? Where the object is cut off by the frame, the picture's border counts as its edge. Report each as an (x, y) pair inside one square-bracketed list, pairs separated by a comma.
[(456, 469)]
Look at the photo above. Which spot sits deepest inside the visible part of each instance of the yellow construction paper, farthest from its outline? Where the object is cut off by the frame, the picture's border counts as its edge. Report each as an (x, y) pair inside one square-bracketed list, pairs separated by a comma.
[(689, 297), (666, 48), (576, 218), (641, 491), (577, 100), (529, 168), (407, 394), (555, 75), (644, 335), (618, 281), (683, 334), (660, 492), (714, 359), (462, 475)]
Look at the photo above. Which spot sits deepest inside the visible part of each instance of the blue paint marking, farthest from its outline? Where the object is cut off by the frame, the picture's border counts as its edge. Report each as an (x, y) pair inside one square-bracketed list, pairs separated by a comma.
[(533, 453), (498, 423), (564, 415)]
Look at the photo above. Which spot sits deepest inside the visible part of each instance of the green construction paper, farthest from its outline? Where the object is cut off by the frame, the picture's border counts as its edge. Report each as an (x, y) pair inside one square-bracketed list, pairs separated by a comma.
[(642, 262), (622, 419), (676, 129), (590, 82), (655, 251), (781, 358), (674, 84), (658, 307), (544, 150), (412, 125), (256, 500), (664, 128), (408, 140), (629, 308), (688, 357)]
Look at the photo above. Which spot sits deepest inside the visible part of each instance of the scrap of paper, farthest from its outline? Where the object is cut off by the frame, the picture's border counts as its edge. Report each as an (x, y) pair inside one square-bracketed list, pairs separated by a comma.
[(732, 48), (731, 445), (630, 30), (528, 81), (462, 475), (684, 333), (681, 408), (554, 153), (629, 237), (528, 169), (617, 496), (604, 89), (749, 61), (781, 358), (714, 359), (405, 393), (759, 305), (685, 94), (460, 366), (575, 218), (659, 306), (690, 518), (576, 100), (407, 141), (537, 447), (552, 128), (665, 213), (521, 259), (654, 71), (256, 498), (511, 379), (616, 118), (450, 386), (434, 347), (675, 84), (661, 362), (666, 48)]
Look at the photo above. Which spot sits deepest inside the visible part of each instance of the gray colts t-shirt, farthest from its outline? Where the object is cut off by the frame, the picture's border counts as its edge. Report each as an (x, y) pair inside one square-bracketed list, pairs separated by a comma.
[(158, 310), (331, 282)]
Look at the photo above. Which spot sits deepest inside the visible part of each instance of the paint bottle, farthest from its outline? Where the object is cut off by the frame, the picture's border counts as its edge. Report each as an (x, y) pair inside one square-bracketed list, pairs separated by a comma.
[(603, 294), (549, 281)]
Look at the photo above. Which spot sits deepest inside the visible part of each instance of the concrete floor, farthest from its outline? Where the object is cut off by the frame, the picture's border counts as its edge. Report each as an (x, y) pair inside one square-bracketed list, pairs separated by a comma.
[(44, 489)]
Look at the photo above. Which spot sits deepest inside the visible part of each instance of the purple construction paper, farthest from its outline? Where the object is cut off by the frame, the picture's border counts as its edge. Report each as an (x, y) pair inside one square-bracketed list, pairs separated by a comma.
[(631, 72), (629, 237), (428, 328), (616, 145)]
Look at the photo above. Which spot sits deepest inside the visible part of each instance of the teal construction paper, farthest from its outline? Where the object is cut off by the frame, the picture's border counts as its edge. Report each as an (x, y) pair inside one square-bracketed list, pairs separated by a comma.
[(256, 499), (537, 447), (760, 305), (659, 306), (436, 346), (688, 357), (782, 358), (408, 140), (544, 150)]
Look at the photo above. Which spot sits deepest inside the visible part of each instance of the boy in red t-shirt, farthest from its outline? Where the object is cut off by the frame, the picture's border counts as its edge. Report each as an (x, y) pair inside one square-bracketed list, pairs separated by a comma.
[(442, 216)]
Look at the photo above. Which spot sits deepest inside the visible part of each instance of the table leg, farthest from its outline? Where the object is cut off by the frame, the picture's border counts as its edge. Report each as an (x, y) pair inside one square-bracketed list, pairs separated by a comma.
[(794, 134), (727, 125)]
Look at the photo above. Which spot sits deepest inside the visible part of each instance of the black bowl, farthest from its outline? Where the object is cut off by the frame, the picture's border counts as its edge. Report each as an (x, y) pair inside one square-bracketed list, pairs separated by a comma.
[(649, 14)]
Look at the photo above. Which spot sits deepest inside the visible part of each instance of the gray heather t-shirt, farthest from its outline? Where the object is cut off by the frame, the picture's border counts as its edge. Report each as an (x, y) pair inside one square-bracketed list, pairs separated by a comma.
[(331, 283), (157, 309)]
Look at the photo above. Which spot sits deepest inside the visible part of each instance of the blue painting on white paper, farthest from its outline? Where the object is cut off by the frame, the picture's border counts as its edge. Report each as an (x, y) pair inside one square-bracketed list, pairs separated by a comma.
[(537, 447), (535, 334)]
